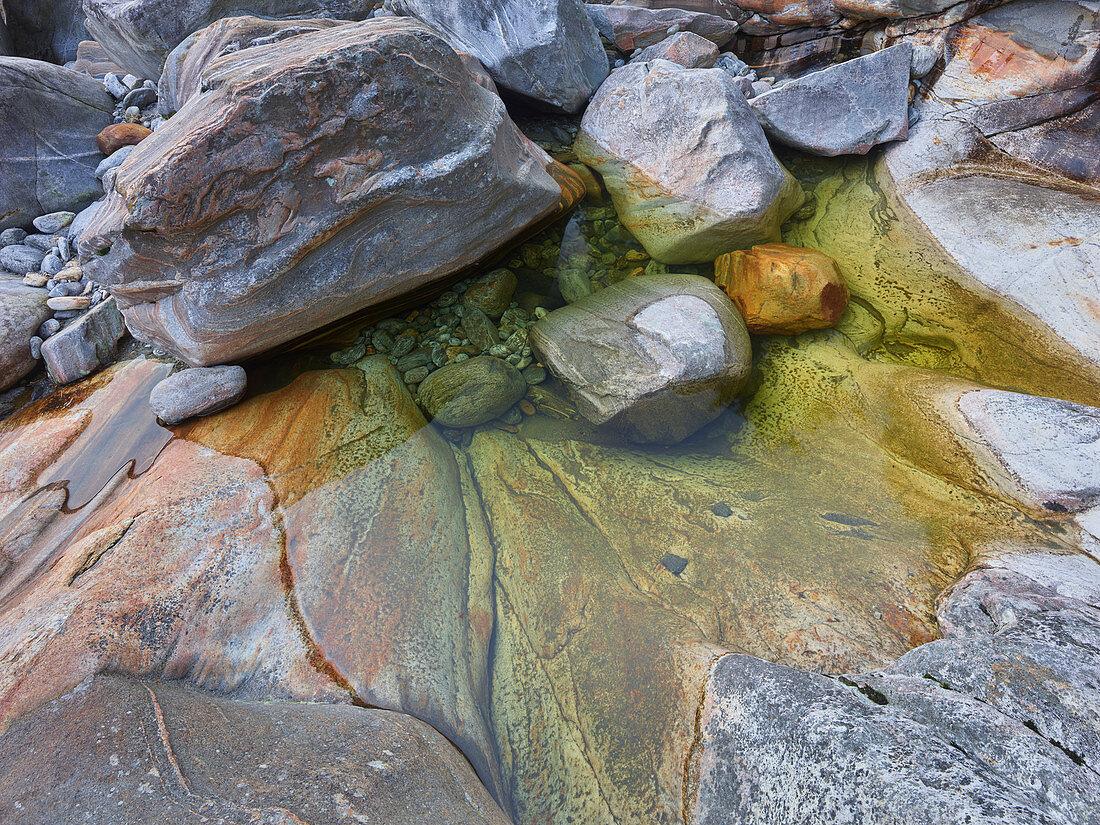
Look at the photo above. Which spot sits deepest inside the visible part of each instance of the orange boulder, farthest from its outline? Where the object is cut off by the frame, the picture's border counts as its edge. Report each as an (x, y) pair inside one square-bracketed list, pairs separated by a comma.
[(117, 135), (783, 289)]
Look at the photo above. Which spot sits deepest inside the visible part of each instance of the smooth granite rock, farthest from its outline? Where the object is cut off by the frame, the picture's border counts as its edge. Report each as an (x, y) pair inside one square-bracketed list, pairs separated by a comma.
[(631, 27), (22, 310), (471, 392), (48, 154), (197, 391), (125, 750), (47, 30), (139, 34), (685, 49), (546, 50), (86, 345), (687, 165), (654, 357), (844, 109), (307, 233), (997, 722)]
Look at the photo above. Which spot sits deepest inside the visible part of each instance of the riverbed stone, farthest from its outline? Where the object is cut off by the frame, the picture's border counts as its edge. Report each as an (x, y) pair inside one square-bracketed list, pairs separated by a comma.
[(118, 135), (632, 27), (22, 310), (468, 393), (546, 50), (782, 289), (844, 109), (685, 49), (654, 357), (95, 749), (480, 329), (86, 345), (491, 293), (687, 165), (21, 258), (48, 154), (197, 391), (208, 299)]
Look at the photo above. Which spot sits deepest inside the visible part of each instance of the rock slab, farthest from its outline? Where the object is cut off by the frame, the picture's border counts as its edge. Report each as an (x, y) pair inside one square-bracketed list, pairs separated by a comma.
[(546, 50), (408, 151), (198, 391), (687, 165), (48, 153), (654, 357), (86, 345)]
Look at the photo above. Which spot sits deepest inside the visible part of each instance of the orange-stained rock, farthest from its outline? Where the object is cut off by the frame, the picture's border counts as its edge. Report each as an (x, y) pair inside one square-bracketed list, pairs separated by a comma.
[(117, 135), (781, 289)]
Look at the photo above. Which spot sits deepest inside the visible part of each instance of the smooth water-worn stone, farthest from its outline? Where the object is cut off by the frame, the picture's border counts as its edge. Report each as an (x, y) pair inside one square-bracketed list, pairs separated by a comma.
[(92, 59), (685, 49), (631, 27), (22, 310), (85, 346), (125, 750), (471, 392), (118, 135), (687, 165), (54, 222), (49, 30), (480, 329), (20, 259), (782, 289), (303, 240), (197, 391), (112, 162), (48, 154), (545, 50), (139, 34), (654, 357), (844, 109), (492, 292), (995, 723)]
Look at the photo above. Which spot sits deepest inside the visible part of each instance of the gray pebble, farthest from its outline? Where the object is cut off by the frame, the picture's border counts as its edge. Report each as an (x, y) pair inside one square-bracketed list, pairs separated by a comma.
[(417, 358), (20, 259), (499, 351), (36, 347), (65, 248), (512, 415), (130, 81), (115, 87), (54, 222), (534, 375), (416, 375), (402, 345), (67, 314), (49, 327), (43, 243), (64, 289), (113, 161), (51, 264), (12, 236), (382, 341)]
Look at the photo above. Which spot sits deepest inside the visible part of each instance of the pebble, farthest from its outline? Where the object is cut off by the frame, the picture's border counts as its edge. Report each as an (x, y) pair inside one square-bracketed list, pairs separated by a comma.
[(54, 222), (49, 327), (10, 237), (115, 87), (132, 114), (68, 303), (480, 329), (67, 314), (417, 358), (130, 81), (65, 248), (52, 264), (534, 375), (65, 289), (526, 407), (36, 347), (513, 415), (499, 351), (43, 243), (114, 137), (382, 341), (416, 375), (35, 279), (71, 272), (403, 345), (492, 292)]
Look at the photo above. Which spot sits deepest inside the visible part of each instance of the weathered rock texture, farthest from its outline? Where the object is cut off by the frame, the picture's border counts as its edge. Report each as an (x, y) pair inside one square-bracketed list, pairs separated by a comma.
[(45, 29), (48, 153), (139, 34), (631, 27), (546, 50), (407, 151), (685, 49), (22, 309), (687, 165), (85, 345), (472, 392), (123, 750), (781, 289), (845, 109), (655, 357), (195, 392)]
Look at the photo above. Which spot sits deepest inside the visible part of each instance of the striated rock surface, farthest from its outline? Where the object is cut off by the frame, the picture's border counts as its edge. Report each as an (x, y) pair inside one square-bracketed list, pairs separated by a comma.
[(687, 165), (307, 234), (125, 750), (48, 154), (22, 309), (632, 27), (844, 109), (198, 391), (546, 50), (654, 357), (139, 34), (685, 49), (782, 289)]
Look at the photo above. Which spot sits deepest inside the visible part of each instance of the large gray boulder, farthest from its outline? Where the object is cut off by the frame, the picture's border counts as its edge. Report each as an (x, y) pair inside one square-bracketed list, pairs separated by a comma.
[(139, 34), (45, 29), (999, 722), (654, 357), (121, 751), (407, 152), (546, 50), (48, 153), (844, 109), (688, 167), (22, 310)]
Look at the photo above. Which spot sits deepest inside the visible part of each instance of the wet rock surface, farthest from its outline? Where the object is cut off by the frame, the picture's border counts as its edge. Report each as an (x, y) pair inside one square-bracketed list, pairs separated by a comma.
[(685, 161), (127, 750), (489, 184), (48, 155), (472, 392), (545, 50)]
